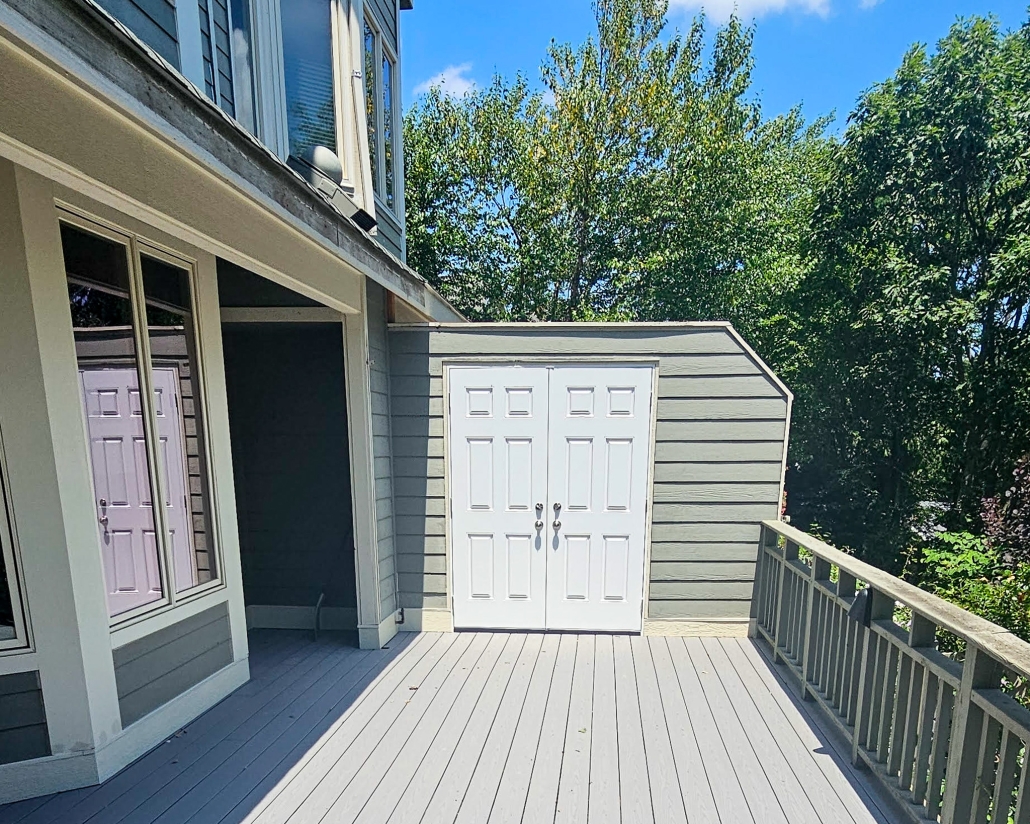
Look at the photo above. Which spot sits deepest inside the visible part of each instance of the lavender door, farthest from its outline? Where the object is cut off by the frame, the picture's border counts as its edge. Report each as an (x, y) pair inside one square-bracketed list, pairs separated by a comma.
[(121, 484)]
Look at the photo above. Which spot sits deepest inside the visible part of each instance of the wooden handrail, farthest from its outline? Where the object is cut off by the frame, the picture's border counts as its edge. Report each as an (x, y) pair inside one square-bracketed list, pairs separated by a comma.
[(941, 732), (997, 641)]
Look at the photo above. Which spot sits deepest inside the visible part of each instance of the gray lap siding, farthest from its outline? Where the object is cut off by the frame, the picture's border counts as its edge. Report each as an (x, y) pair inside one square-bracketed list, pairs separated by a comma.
[(719, 452), (379, 380)]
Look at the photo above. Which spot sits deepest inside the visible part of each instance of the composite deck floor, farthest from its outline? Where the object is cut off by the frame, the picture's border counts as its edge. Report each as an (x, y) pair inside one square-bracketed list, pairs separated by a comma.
[(481, 727)]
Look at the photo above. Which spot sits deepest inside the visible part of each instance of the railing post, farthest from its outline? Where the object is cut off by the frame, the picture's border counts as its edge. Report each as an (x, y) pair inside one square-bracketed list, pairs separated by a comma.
[(820, 571), (882, 608), (962, 778)]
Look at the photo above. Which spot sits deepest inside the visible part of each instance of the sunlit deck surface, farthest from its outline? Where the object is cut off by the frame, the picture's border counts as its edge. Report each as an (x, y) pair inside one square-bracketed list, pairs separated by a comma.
[(478, 727)]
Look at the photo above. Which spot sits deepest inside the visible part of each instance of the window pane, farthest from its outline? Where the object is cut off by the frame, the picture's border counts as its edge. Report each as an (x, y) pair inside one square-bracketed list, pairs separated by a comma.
[(371, 115), (308, 65), (101, 309), (388, 137), (243, 64), (180, 427)]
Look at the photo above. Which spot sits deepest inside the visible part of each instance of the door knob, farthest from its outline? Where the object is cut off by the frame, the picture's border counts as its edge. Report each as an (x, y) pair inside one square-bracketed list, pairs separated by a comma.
[(557, 508), (539, 524), (103, 520), (556, 525)]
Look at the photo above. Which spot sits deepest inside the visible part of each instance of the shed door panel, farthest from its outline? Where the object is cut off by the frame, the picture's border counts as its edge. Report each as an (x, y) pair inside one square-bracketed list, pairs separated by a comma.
[(498, 475), (599, 444)]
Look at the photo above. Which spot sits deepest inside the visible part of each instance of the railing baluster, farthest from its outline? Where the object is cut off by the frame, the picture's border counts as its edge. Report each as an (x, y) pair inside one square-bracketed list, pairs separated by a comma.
[(1022, 815), (889, 686), (1005, 784), (987, 766), (857, 634), (790, 552), (929, 703), (979, 671), (899, 726), (812, 626), (939, 757)]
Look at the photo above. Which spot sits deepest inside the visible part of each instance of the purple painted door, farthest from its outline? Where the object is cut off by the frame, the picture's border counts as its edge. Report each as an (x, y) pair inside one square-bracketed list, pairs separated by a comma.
[(121, 484)]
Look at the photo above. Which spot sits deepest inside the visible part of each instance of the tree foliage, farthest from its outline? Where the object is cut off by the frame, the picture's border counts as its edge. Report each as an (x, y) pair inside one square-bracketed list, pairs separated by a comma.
[(643, 184), (915, 311)]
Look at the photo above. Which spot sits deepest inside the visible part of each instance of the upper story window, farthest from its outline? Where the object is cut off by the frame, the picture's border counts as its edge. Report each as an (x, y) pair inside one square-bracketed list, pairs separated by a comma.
[(380, 71), (307, 32), (12, 617)]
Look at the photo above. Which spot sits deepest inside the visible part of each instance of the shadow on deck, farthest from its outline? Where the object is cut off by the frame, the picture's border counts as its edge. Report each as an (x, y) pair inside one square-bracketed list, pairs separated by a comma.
[(492, 727)]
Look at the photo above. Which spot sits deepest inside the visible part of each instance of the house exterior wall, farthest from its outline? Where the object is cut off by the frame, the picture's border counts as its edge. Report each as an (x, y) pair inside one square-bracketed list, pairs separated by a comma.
[(719, 453)]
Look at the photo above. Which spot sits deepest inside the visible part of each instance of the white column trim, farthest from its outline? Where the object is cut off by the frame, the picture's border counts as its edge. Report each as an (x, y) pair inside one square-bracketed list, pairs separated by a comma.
[(362, 466)]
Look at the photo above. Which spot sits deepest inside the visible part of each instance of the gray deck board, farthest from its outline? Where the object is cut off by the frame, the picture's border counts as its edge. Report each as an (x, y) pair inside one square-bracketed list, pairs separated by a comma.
[(504, 727), (662, 779), (634, 789), (753, 774), (604, 745), (574, 778)]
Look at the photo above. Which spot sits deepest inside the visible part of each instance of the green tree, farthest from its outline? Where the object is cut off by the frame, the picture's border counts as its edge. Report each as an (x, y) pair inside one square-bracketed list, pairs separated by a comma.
[(643, 185), (914, 319)]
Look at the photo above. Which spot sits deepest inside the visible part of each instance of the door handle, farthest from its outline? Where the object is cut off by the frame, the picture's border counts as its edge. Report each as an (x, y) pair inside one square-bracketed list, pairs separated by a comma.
[(539, 525), (556, 525)]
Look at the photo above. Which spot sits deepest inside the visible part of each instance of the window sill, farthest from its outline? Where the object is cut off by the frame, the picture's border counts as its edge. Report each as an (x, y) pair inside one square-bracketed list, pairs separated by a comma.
[(166, 615)]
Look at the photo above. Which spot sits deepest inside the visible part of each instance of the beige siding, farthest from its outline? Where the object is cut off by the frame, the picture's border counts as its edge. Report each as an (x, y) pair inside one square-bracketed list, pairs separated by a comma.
[(379, 374), (721, 423)]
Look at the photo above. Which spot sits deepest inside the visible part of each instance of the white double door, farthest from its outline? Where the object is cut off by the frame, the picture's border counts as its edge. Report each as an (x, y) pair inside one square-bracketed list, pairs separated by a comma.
[(548, 481)]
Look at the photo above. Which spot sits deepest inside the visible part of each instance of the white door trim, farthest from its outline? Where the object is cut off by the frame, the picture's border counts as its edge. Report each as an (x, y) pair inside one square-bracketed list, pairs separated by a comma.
[(447, 363)]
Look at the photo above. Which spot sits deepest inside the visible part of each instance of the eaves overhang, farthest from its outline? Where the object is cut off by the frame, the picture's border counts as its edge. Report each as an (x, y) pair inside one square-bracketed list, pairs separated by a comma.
[(82, 43)]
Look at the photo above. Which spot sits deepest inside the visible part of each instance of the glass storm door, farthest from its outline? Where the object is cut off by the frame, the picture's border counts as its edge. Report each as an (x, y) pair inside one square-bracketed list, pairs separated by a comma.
[(548, 496)]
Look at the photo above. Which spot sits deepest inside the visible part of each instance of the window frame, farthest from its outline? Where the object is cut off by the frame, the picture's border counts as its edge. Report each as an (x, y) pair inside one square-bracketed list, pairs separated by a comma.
[(10, 557), (384, 51), (136, 247)]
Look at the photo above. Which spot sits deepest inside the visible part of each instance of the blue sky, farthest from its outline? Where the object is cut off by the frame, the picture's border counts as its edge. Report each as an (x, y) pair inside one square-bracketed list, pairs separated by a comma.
[(820, 53)]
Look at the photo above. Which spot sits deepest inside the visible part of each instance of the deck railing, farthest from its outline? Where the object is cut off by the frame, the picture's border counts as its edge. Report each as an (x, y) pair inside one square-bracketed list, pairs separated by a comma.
[(941, 730)]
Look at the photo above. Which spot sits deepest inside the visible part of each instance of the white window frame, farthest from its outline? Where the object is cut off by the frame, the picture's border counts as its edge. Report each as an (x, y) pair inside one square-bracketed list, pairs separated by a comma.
[(383, 50), (136, 246), (10, 557)]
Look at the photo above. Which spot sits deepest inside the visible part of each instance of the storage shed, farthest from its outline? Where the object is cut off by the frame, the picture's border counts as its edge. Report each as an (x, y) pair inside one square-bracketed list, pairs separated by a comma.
[(591, 477)]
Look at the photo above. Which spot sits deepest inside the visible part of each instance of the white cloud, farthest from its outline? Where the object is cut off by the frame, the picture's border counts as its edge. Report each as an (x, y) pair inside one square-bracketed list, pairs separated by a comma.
[(869, 4), (452, 81), (720, 10)]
